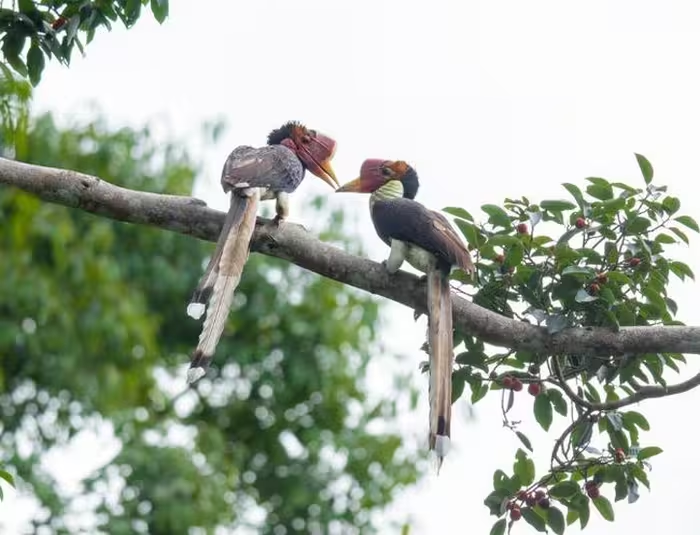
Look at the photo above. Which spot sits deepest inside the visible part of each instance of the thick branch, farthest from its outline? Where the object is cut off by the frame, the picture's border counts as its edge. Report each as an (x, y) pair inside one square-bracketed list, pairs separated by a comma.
[(291, 242)]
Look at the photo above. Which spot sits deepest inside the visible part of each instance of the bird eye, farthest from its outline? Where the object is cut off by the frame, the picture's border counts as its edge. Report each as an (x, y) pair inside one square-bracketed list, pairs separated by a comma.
[(386, 171), (306, 139)]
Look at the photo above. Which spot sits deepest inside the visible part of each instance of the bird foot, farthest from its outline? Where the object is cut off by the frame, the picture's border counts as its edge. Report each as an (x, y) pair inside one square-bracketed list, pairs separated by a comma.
[(278, 220)]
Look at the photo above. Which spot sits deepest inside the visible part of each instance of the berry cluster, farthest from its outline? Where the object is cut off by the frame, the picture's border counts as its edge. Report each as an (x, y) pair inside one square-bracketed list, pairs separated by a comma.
[(538, 497), (513, 383)]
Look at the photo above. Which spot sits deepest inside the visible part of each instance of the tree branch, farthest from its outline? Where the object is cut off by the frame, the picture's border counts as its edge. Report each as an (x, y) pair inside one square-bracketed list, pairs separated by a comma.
[(642, 393), (291, 242)]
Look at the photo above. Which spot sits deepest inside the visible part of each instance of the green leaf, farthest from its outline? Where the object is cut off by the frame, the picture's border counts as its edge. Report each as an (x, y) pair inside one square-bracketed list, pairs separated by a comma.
[(457, 386), (524, 468), (646, 168), (555, 520), (576, 193), (557, 206), (543, 412), (681, 270), (604, 508), (499, 528), (35, 64), (471, 233), (160, 10), (637, 225), (688, 221), (599, 189), (682, 235), (497, 215), (558, 402), (535, 520), (564, 490), (578, 270), (664, 238), (581, 434), (7, 477), (503, 240), (526, 441), (671, 204), (479, 393), (645, 453), (12, 46), (637, 419), (458, 212)]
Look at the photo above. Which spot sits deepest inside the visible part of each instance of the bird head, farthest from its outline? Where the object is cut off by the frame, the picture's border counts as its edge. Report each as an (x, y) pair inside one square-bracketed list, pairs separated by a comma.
[(314, 149), (375, 173)]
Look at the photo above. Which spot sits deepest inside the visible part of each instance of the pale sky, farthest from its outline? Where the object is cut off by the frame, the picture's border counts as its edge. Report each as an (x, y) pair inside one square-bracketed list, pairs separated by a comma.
[(487, 100)]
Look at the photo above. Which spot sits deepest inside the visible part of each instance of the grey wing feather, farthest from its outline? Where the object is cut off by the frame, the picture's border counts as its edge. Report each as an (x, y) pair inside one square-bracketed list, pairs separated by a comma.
[(273, 167)]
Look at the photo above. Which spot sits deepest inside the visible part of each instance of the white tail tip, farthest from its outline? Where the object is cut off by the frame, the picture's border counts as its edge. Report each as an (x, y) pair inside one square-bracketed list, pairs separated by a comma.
[(196, 310), (442, 446), (195, 374)]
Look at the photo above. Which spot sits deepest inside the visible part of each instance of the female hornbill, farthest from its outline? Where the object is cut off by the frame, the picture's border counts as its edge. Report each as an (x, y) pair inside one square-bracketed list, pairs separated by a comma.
[(252, 175), (427, 241)]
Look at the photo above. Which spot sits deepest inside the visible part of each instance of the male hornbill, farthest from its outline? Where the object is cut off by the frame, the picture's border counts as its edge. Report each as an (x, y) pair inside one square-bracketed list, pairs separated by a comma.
[(427, 241), (252, 175)]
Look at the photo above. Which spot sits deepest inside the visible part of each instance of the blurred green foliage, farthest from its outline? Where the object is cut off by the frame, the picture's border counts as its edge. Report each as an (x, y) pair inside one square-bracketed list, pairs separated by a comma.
[(93, 330), (34, 32)]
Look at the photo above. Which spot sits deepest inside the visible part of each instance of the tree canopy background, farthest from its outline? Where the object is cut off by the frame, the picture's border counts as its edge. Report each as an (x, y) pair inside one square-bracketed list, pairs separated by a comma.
[(93, 329)]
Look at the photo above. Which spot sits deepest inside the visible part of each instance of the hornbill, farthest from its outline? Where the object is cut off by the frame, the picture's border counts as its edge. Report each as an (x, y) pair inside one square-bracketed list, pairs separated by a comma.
[(252, 175), (427, 241)]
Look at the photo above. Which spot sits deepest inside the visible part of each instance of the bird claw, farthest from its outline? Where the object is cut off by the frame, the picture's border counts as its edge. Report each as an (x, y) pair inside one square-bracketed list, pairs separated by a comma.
[(277, 221)]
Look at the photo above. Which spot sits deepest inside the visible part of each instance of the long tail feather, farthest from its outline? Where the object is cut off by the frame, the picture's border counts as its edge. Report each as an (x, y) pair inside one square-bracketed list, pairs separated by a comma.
[(440, 347), (203, 291), (234, 255)]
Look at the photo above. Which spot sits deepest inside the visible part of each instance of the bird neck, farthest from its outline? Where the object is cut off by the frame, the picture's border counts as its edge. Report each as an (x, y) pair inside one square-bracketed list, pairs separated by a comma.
[(391, 190)]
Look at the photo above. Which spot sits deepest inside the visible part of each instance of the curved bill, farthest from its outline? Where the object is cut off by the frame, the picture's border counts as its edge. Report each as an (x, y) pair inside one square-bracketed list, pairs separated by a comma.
[(317, 156)]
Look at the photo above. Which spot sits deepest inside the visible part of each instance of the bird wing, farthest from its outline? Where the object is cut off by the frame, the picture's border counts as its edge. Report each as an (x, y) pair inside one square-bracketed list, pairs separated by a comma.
[(274, 167), (411, 222)]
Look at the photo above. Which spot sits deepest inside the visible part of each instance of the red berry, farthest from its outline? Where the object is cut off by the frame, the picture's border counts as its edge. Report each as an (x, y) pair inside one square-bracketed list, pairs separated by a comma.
[(592, 490), (517, 385), (58, 23), (634, 261), (540, 494), (534, 389), (594, 288), (515, 513), (510, 505), (543, 503), (531, 500), (619, 455), (580, 222), (508, 382), (522, 228)]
